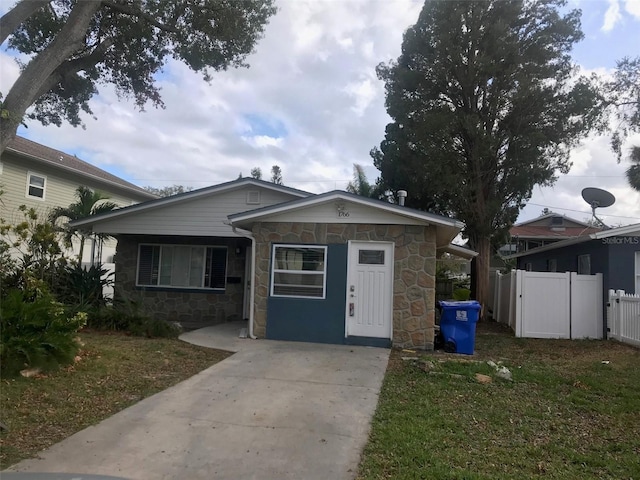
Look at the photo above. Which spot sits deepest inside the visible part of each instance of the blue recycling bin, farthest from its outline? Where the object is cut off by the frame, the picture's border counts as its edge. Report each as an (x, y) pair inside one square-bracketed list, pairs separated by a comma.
[(458, 325)]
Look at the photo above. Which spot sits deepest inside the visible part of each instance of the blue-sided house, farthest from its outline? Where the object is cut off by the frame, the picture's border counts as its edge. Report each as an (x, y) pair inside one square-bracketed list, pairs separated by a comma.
[(615, 253), (331, 268)]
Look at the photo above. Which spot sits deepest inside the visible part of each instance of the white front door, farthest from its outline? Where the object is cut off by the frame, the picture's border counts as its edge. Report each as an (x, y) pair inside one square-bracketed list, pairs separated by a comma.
[(369, 289)]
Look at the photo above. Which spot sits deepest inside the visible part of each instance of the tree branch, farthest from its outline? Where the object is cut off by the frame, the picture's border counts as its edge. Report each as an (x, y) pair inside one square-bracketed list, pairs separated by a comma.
[(136, 12), (72, 67), (23, 92), (11, 20)]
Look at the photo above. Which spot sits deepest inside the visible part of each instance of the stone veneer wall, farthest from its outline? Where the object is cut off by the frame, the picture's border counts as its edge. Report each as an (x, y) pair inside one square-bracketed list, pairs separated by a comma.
[(414, 271), (190, 308)]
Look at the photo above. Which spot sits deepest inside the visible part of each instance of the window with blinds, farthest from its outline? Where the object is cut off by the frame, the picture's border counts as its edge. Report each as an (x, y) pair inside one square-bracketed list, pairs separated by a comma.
[(298, 271), (182, 266)]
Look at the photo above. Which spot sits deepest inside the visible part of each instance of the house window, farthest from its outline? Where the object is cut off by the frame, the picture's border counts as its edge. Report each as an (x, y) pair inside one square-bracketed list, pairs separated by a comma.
[(371, 257), (552, 265), (36, 185), (528, 267), (182, 266), (298, 271), (584, 264)]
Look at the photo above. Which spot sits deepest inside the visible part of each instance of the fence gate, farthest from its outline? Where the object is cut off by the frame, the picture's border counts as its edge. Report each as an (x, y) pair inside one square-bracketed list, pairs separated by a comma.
[(550, 305), (544, 307)]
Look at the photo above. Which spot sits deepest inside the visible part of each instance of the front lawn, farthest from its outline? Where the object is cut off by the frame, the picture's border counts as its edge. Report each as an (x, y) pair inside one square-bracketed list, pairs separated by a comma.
[(572, 411), (114, 371)]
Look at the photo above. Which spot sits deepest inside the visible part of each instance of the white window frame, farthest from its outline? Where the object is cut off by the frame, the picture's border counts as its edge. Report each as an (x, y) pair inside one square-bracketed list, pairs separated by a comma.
[(586, 256), (183, 287), (275, 270), (44, 185)]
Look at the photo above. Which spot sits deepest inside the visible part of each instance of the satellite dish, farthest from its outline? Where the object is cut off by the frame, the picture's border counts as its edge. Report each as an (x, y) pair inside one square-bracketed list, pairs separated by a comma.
[(596, 197)]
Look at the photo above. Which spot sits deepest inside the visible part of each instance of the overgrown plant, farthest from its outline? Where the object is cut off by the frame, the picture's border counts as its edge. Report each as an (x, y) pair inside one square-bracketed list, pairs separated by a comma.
[(35, 332), (30, 249), (82, 288)]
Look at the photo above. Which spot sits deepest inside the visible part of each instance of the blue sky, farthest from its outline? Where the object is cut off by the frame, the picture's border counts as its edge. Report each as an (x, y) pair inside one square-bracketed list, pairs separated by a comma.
[(311, 103)]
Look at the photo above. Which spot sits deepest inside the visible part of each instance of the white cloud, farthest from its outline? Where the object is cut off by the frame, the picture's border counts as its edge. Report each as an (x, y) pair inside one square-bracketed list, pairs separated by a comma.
[(633, 8), (612, 16), (314, 74)]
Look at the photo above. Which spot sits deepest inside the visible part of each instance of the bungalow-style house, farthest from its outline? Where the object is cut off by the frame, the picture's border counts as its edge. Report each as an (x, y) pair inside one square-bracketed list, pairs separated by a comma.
[(331, 268), (615, 253), (43, 178)]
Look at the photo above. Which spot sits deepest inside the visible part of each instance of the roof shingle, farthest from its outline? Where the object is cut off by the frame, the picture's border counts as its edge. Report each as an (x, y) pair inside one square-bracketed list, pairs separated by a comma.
[(22, 146)]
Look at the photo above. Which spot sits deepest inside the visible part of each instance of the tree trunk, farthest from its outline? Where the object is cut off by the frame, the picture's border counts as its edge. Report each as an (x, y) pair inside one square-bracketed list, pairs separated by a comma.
[(27, 88), (11, 20), (483, 260)]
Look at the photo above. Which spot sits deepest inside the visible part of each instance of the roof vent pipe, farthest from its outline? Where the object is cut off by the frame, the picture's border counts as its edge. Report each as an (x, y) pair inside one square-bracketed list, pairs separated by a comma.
[(402, 194)]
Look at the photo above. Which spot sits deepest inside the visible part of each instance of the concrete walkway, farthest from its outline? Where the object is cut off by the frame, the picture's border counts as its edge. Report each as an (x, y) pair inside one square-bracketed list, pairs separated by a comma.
[(274, 410)]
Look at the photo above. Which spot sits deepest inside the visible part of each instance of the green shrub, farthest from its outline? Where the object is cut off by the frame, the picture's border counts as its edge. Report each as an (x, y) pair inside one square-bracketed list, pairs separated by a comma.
[(461, 294), (35, 332), (151, 328), (81, 288), (130, 320)]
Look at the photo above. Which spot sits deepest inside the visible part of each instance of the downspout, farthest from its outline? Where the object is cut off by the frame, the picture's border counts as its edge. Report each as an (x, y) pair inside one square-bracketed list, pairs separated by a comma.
[(252, 290)]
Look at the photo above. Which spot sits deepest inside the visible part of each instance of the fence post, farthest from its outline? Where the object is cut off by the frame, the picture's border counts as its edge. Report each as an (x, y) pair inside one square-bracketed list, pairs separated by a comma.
[(618, 314), (518, 302)]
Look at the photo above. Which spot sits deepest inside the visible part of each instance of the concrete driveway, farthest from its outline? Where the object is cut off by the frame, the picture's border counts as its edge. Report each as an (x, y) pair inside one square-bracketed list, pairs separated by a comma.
[(274, 410)]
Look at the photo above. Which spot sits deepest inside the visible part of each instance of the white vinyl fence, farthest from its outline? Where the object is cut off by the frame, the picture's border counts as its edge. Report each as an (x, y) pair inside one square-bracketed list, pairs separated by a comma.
[(623, 317), (549, 305)]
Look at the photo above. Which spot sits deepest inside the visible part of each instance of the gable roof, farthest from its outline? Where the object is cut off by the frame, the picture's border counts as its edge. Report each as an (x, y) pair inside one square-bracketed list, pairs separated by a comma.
[(57, 159), (186, 197), (628, 230), (550, 215), (448, 227)]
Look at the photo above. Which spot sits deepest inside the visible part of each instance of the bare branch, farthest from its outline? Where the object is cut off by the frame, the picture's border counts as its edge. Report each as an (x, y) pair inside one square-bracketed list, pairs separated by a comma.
[(11, 20)]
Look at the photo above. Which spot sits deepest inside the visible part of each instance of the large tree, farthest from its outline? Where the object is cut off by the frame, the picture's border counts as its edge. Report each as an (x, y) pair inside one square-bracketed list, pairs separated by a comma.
[(167, 191), (622, 99), (485, 106), (72, 46)]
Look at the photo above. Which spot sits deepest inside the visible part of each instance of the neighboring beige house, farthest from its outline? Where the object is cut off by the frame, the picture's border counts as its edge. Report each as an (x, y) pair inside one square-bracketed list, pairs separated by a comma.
[(37, 176)]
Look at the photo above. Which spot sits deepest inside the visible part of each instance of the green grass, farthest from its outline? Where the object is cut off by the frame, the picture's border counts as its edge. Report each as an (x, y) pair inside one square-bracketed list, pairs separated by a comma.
[(114, 372), (566, 415)]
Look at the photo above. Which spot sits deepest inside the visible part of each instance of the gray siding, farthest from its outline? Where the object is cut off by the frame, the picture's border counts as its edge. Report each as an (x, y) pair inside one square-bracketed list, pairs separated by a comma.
[(205, 216)]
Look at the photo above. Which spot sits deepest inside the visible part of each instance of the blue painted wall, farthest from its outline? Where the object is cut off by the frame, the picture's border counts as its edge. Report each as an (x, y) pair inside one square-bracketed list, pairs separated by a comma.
[(313, 320), (613, 257)]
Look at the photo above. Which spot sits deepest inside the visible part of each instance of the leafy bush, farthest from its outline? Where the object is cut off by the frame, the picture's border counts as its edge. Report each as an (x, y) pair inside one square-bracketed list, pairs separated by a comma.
[(461, 294), (35, 332), (125, 315), (151, 328), (81, 288)]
